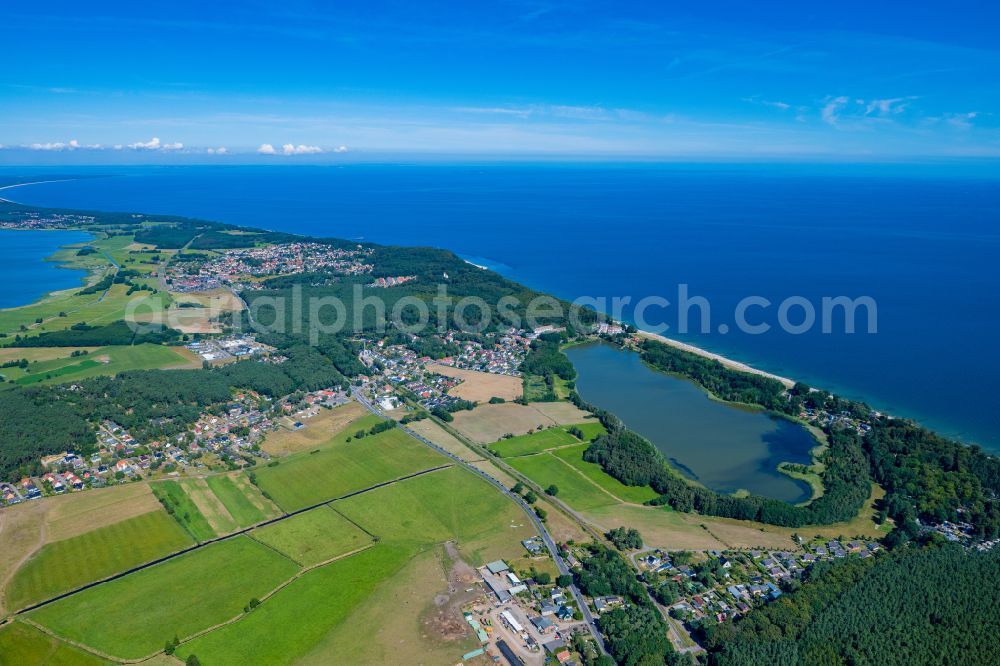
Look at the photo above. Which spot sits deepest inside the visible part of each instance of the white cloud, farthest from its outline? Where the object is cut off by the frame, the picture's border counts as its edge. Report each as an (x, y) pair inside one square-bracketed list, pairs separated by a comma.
[(289, 149), (886, 107), (153, 144), (72, 144), (340, 149), (266, 149), (831, 111), (222, 150), (962, 120)]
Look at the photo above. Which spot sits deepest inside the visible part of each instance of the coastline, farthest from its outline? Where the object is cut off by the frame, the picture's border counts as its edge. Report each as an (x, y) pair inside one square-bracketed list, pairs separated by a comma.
[(63, 259), (970, 433), (727, 362)]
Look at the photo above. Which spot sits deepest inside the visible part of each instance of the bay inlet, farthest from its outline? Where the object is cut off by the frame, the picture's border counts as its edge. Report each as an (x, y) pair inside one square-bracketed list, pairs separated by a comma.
[(722, 446), (26, 274)]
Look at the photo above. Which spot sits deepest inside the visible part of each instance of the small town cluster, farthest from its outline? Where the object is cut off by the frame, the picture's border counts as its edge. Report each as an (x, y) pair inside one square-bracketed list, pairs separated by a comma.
[(239, 267), (227, 437), (723, 585), (403, 368), (31, 219)]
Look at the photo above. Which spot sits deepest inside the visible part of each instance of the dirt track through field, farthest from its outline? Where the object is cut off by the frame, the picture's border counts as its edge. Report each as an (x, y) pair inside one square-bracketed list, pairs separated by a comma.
[(223, 538)]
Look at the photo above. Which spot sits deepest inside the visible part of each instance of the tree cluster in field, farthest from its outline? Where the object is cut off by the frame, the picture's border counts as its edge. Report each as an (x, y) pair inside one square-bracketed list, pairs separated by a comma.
[(625, 538), (117, 333), (381, 426), (912, 605)]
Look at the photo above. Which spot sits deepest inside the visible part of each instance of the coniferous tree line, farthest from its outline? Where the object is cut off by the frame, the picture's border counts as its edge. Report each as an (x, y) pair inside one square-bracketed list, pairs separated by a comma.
[(930, 605)]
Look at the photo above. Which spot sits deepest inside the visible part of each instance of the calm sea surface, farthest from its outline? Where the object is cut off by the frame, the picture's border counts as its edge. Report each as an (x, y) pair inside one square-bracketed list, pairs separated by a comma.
[(724, 447), (925, 248), (25, 275)]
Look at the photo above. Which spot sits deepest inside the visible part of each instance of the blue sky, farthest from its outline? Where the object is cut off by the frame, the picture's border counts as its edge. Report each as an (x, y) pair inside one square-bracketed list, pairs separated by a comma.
[(120, 82)]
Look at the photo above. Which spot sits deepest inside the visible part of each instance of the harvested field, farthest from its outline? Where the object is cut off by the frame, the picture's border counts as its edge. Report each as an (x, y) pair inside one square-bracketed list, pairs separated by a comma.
[(22, 532), (563, 413), (71, 515), (745, 534), (660, 528), (443, 438), (317, 430), (480, 386), (488, 423), (210, 506)]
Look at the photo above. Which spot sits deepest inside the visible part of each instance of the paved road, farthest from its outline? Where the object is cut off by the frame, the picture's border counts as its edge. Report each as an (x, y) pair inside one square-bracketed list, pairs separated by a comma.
[(546, 537)]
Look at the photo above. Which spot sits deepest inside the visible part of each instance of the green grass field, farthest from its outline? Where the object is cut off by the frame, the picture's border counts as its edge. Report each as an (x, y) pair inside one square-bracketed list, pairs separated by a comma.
[(449, 504), (171, 494), (535, 442), (409, 517), (577, 491), (286, 626), (591, 430), (134, 616), (314, 536), (244, 511), (574, 456), (340, 467), (102, 361), (21, 645), (64, 565)]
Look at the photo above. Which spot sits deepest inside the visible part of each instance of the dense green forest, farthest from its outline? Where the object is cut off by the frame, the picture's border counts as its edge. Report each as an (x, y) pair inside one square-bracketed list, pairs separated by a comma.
[(726, 384), (84, 335), (370, 309), (929, 477), (545, 358), (933, 605)]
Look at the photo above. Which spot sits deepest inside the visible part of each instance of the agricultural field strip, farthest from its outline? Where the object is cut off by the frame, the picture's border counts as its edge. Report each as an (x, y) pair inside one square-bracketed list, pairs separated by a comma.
[(225, 538)]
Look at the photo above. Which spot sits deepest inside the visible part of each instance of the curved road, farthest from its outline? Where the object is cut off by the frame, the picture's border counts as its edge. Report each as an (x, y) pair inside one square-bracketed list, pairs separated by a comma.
[(546, 537)]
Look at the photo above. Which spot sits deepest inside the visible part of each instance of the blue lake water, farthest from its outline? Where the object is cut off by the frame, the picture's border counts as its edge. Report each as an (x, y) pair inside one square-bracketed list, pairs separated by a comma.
[(922, 243), (25, 275), (725, 447)]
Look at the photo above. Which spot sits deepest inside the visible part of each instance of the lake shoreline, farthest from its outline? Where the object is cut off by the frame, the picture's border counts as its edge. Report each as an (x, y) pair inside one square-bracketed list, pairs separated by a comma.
[(62, 259), (727, 447)]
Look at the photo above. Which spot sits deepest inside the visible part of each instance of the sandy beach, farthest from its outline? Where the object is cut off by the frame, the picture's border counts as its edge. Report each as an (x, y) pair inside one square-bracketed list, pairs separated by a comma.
[(729, 363), (34, 182)]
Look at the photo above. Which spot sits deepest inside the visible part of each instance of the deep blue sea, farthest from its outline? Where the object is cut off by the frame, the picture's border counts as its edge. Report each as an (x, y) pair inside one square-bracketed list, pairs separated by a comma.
[(923, 244), (25, 275)]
